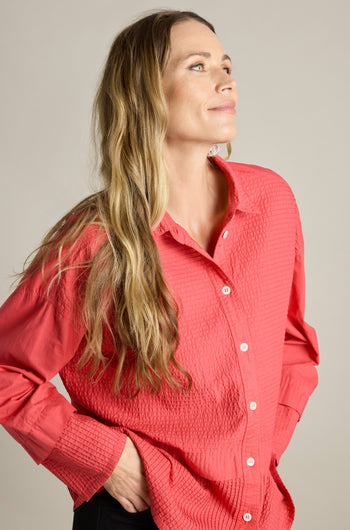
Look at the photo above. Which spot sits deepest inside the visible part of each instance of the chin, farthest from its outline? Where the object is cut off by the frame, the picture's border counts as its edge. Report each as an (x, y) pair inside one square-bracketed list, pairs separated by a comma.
[(227, 137)]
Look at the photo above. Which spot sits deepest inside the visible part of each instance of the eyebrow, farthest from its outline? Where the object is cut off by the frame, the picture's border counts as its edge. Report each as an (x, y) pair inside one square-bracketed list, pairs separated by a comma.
[(207, 55)]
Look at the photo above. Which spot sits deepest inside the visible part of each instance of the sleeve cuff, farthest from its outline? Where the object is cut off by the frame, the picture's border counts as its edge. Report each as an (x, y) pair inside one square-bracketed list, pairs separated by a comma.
[(285, 423), (85, 455)]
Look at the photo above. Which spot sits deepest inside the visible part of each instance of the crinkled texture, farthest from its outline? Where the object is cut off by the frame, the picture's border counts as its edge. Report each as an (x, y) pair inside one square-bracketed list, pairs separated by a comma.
[(210, 456)]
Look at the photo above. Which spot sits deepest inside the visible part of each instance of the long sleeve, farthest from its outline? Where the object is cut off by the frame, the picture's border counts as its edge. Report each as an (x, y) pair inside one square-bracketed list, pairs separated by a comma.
[(300, 357), (38, 336)]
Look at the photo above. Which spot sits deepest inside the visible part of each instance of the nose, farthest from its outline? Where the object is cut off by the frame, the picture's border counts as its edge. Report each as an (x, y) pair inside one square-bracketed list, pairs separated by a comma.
[(225, 82)]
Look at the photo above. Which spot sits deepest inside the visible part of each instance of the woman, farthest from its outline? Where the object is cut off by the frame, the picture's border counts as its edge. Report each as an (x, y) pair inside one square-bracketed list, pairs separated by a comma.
[(172, 305)]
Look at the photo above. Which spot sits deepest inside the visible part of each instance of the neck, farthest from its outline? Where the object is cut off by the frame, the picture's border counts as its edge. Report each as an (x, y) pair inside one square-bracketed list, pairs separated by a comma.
[(194, 185)]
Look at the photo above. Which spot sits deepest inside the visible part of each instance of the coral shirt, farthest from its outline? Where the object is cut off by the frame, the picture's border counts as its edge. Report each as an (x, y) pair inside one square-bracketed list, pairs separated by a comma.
[(210, 456)]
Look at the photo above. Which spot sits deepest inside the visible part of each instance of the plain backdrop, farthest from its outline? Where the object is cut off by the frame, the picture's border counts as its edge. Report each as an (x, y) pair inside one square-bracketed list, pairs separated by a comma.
[(290, 60)]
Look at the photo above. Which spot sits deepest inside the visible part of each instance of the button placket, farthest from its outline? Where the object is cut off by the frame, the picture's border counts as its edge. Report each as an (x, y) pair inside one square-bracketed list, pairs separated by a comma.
[(250, 457), (241, 338)]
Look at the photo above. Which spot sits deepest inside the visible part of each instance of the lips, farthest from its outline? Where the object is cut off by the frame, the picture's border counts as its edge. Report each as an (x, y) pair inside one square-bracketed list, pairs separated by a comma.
[(226, 107)]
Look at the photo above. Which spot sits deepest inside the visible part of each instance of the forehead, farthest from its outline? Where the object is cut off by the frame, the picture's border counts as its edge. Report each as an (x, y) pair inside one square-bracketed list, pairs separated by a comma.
[(192, 36)]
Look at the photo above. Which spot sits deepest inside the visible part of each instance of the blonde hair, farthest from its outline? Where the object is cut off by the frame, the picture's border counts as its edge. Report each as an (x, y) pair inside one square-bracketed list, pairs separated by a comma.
[(124, 279)]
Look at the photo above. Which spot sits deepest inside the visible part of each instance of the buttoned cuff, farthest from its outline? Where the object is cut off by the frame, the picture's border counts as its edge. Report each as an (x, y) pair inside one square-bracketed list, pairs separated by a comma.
[(85, 456)]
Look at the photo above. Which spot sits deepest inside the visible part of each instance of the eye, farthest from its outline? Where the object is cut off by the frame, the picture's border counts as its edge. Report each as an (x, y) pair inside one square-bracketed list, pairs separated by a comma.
[(201, 65), (193, 66)]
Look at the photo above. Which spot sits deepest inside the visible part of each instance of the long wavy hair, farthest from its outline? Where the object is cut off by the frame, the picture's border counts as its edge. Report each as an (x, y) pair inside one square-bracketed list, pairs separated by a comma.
[(125, 291)]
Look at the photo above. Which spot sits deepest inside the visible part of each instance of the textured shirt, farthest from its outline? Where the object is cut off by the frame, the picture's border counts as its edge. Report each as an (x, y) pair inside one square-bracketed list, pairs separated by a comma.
[(211, 455)]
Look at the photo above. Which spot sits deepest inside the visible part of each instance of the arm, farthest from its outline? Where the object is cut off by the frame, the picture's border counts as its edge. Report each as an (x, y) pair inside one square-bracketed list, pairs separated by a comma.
[(38, 336), (300, 357)]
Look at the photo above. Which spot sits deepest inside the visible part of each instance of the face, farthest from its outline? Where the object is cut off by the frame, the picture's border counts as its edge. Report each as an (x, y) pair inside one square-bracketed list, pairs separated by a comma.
[(198, 87)]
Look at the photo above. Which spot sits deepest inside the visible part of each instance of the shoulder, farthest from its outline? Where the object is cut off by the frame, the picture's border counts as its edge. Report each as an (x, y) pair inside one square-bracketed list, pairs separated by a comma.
[(89, 241), (58, 274), (265, 187), (258, 178), (80, 248)]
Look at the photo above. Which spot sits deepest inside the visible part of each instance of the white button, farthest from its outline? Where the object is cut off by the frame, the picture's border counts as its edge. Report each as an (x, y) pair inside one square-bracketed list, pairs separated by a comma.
[(250, 461), (253, 405), (226, 289), (244, 346), (225, 234), (247, 517)]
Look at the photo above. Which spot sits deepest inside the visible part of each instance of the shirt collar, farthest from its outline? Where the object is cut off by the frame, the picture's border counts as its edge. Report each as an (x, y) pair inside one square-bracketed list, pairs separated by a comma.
[(238, 198)]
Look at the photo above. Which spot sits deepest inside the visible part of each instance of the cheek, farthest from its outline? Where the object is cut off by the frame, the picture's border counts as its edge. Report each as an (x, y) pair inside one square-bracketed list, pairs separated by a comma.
[(184, 101), (177, 97)]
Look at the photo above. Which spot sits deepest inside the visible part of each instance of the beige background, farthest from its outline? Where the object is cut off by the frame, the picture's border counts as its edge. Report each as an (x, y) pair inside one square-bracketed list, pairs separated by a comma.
[(290, 60)]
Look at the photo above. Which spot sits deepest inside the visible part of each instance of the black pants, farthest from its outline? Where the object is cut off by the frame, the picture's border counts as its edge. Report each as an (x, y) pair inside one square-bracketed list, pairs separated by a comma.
[(103, 512)]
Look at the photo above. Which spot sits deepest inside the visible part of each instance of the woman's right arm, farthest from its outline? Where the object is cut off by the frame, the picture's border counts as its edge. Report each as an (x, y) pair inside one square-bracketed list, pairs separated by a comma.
[(38, 336)]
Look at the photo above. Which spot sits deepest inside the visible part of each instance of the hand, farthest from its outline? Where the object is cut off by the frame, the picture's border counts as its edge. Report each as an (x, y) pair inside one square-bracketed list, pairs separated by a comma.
[(128, 483)]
